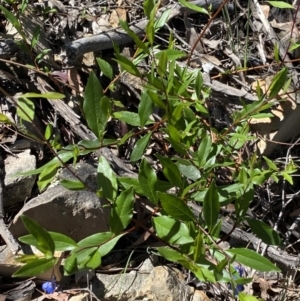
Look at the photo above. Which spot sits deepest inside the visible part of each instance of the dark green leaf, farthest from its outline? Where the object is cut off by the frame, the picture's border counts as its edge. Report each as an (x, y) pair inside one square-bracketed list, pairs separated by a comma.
[(148, 7), (35, 268), (70, 265), (264, 232), (175, 207), (91, 104), (95, 239), (188, 169), (147, 179), (162, 63), (127, 65), (106, 179), (170, 170), (48, 95), (140, 147), (105, 68), (43, 238), (211, 206), (278, 82), (72, 185), (126, 182), (145, 108), (253, 260), (122, 211), (204, 150), (172, 231), (199, 85)]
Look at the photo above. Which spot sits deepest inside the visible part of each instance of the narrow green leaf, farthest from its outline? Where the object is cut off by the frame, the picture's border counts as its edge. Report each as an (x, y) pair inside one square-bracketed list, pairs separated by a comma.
[(25, 109), (199, 84), (281, 4), (288, 178), (105, 68), (253, 260), (106, 179), (193, 7), (140, 147), (162, 20), (43, 238), (170, 254), (35, 268), (48, 95), (127, 65), (95, 239), (175, 207), (264, 232), (150, 31), (172, 231), (14, 21), (278, 82), (122, 211), (134, 36), (72, 185), (162, 64), (204, 150), (245, 297), (270, 163), (145, 108), (147, 179), (148, 7), (35, 36), (211, 206)]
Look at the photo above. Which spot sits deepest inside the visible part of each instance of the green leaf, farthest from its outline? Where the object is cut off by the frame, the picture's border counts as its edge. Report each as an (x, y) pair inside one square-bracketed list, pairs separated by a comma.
[(14, 21), (35, 268), (204, 150), (5, 119), (44, 241), (175, 207), (162, 64), (25, 109), (148, 7), (145, 108), (147, 180), (84, 256), (172, 231), (150, 30), (253, 260), (126, 182), (246, 297), (91, 104), (35, 36), (127, 65), (128, 117), (162, 20), (105, 68), (188, 169), (278, 82), (264, 232), (122, 211), (172, 54), (94, 260), (134, 36), (48, 95), (211, 206), (106, 179), (72, 185), (140, 147), (95, 239), (170, 170), (170, 254), (199, 85), (61, 242), (193, 7), (108, 246), (288, 178), (70, 265), (281, 4)]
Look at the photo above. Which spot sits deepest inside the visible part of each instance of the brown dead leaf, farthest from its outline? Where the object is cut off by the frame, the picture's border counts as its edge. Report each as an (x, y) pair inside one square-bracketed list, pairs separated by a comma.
[(116, 15)]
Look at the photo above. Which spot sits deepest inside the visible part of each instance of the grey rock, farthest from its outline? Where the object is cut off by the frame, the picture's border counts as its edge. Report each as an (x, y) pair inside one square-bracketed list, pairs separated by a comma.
[(77, 214), (18, 188), (149, 283)]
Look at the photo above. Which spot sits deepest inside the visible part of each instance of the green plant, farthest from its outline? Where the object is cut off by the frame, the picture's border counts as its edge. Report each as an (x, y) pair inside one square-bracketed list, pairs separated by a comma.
[(196, 154)]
